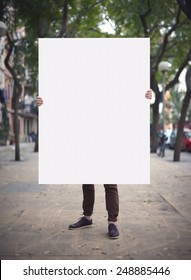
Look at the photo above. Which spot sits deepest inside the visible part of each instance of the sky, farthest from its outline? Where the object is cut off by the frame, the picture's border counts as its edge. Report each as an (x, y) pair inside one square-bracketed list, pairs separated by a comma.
[(107, 26)]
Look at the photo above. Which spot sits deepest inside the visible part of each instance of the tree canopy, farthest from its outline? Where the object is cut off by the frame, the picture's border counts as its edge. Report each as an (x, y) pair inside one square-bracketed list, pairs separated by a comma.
[(166, 23)]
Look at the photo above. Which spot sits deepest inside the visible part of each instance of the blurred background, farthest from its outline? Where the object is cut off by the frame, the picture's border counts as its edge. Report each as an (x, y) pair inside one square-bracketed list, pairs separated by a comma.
[(166, 23)]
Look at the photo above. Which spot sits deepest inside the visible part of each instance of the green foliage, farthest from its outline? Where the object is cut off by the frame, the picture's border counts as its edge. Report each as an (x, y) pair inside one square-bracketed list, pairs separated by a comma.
[(162, 21), (46, 19), (154, 19), (176, 99)]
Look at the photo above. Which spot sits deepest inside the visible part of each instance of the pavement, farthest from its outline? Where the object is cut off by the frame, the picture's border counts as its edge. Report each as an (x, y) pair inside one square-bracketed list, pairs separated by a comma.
[(154, 220)]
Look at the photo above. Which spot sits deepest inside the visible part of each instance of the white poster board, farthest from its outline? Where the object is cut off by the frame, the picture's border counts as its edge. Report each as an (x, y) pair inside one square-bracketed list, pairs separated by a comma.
[(94, 124)]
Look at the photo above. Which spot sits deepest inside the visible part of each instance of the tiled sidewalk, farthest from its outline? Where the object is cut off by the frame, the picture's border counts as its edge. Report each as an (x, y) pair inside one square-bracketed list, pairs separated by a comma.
[(154, 220)]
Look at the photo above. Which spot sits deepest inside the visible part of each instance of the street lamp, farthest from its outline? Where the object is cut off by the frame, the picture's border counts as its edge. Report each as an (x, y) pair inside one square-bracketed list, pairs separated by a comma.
[(163, 67)]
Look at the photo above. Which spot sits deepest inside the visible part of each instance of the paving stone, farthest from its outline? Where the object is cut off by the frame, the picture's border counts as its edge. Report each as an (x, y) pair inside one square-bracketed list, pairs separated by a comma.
[(154, 220)]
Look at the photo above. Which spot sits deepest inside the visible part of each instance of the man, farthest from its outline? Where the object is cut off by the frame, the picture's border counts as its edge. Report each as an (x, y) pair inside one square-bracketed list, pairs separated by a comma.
[(112, 207), (111, 197)]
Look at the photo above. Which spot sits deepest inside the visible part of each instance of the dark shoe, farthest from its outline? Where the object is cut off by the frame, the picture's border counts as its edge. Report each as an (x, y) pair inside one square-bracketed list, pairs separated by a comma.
[(113, 231), (83, 222)]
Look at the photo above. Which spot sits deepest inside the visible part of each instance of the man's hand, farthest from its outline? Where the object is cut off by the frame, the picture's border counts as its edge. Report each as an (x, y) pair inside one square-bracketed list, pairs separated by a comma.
[(149, 94), (39, 101)]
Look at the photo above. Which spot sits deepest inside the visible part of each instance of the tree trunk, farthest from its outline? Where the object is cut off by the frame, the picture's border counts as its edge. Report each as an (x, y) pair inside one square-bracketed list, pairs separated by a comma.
[(16, 131), (154, 142), (63, 30), (155, 108), (17, 91), (1, 9), (16, 97), (182, 119)]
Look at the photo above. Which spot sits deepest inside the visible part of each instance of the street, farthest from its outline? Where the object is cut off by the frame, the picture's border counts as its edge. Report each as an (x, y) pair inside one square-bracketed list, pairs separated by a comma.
[(154, 220)]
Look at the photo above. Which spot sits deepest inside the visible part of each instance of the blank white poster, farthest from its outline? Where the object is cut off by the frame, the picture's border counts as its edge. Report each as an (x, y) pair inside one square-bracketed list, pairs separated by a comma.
[(94, 123)]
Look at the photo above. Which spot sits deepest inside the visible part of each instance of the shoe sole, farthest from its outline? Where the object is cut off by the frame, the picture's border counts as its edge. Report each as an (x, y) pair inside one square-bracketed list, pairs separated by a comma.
[(116, 237), (70, 228)]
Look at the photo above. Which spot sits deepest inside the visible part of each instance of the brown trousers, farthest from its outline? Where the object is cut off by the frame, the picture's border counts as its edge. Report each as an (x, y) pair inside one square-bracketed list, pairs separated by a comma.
[(111, 198)]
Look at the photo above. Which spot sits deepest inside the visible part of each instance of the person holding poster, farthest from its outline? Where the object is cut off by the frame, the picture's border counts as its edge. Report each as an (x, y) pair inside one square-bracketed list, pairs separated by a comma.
[(111, 198)]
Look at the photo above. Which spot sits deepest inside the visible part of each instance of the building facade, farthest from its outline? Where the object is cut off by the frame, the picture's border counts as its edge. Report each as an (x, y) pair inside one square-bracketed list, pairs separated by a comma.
[(27, 110)]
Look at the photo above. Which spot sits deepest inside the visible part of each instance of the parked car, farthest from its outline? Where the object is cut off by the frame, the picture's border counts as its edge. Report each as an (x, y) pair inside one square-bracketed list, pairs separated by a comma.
[(189, 146), (186, 139)]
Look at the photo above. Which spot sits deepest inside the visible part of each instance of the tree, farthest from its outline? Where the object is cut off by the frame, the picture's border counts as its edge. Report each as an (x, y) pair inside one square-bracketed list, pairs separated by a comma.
[(17, 91), (169, 32), (170, 36), (7, 15), (186, 7), (185, 106), (55, 19)]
